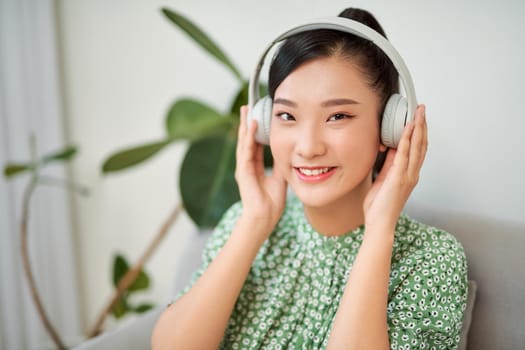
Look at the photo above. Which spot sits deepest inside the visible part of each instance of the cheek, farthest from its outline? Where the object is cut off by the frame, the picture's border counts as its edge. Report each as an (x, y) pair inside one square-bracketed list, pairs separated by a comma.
[(367, 128), (280, 148), (360, 145)]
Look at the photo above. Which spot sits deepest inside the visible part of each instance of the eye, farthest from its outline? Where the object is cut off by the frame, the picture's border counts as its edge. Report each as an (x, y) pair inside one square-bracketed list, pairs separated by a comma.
[(285, 116), (340, 116)]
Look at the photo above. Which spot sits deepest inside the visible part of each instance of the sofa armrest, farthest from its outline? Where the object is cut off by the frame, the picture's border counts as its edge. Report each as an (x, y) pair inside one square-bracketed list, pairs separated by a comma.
[(132, 335)]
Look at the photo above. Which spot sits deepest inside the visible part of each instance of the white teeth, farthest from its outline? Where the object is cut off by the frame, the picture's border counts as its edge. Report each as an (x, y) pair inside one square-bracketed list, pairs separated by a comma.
[(313, 172)]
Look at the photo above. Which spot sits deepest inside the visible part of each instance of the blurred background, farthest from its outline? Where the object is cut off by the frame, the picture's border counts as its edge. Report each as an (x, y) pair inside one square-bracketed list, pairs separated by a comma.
[(102, 74)]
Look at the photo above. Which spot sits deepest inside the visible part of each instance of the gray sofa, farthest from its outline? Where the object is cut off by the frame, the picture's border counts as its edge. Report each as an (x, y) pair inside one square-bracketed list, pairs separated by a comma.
[(496, 258)]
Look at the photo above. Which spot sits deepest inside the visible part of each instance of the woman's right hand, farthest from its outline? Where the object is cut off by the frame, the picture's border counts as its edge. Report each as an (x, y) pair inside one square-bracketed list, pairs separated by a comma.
[(263, 196), (263, 199)]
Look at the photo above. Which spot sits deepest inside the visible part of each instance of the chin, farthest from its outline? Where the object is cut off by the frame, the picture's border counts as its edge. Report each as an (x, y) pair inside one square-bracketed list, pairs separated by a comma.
[(330, 194), (314, 198)]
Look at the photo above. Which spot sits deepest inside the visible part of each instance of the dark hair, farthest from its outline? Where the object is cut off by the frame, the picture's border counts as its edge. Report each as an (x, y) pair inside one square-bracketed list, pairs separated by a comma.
[(303, 47)]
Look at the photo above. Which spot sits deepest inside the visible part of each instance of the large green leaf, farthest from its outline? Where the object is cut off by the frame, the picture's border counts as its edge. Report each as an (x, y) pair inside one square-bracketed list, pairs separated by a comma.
[(191, 119), (132, 156), (62, 155), (201, 38), (207, 182), (13, 169)]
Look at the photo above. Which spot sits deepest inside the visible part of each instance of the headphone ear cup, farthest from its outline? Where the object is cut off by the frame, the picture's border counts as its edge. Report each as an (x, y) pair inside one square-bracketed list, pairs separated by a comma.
[(262, 113), (394, 118)]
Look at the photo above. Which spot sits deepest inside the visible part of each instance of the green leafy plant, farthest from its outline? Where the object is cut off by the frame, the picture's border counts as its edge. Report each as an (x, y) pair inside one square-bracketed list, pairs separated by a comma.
[(35, 168), (207, 184), (123, 305)]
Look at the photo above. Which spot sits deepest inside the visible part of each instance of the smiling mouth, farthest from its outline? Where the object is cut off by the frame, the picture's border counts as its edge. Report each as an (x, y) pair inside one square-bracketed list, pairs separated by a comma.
[(314, 171)]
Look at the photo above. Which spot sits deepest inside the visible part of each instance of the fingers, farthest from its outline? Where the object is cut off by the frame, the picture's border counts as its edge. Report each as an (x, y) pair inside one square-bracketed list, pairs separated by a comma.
[(409, 156), (425, 139), (249, 153), (403, 148), (241, 133), (241, 143), (244, 144), (418, 142)]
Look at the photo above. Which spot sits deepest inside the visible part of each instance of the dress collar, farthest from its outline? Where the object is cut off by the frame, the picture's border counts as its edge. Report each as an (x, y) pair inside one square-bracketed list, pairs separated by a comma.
[(312, 239)]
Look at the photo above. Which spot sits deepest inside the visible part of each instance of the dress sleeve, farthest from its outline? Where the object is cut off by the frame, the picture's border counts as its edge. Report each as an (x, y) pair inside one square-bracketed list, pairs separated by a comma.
[(428, 299), (217, 240)]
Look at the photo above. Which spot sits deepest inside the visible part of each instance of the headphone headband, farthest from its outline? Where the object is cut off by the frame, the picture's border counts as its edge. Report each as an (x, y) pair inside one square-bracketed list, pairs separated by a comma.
[(349, 26)]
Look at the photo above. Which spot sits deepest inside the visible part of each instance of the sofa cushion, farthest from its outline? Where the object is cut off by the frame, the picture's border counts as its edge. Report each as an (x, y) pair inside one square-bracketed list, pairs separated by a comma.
[(467, 318), (494, 250)]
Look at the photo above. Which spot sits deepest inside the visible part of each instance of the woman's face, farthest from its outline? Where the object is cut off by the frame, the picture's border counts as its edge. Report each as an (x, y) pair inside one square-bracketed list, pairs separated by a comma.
[(325, 131)]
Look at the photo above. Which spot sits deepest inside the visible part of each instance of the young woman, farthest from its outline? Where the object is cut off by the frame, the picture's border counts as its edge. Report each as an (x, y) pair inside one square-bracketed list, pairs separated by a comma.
[(336, 265)]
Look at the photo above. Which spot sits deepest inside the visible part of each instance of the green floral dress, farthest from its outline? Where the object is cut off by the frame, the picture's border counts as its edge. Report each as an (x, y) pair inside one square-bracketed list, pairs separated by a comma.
[(295, 284)]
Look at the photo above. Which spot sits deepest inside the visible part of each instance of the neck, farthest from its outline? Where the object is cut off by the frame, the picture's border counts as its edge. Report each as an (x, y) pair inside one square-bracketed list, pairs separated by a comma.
[(341, 216)]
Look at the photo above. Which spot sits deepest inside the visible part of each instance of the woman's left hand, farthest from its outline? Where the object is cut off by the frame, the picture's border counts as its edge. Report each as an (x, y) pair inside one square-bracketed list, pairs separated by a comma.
[(399, 175)]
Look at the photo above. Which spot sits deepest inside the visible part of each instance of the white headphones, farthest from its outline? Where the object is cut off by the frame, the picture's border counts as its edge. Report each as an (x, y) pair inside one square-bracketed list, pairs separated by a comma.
[(398, 110)]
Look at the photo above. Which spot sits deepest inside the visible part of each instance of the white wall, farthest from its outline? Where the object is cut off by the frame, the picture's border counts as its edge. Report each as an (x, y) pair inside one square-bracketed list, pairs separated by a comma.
[(124, 64)]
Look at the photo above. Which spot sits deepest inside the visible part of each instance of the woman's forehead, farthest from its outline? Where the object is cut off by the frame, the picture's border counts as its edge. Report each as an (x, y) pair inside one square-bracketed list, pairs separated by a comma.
[(330, 80)]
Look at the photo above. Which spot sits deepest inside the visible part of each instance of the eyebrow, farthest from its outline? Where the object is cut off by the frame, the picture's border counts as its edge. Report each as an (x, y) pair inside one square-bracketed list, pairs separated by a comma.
[(339, 102), (328, 103)]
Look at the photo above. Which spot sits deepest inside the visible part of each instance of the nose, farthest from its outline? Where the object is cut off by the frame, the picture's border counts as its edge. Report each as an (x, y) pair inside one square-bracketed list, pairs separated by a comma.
[(309, 141)]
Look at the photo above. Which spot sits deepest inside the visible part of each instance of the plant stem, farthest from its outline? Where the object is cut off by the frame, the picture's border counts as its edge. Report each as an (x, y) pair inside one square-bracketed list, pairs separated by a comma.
[(132, 274), (27, 266)]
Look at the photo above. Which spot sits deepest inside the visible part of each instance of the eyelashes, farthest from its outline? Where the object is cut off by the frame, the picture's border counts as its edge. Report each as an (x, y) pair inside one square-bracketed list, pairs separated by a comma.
[(340, 116), (285, 116)]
